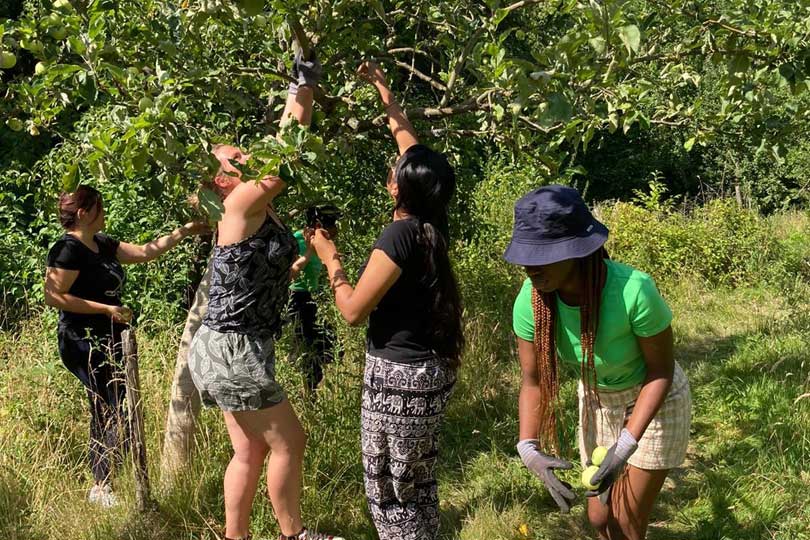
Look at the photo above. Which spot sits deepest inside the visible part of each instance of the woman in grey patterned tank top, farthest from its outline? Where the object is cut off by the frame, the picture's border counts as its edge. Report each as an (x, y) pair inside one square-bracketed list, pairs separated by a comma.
[(232, 356)]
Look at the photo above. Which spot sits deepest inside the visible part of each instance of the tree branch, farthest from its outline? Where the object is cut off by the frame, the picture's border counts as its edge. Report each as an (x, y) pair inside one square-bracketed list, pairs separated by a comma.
[(521, 4), (462, 59), (300, 36), (425, 77), (721, 24), (424, 113), (400, 50)]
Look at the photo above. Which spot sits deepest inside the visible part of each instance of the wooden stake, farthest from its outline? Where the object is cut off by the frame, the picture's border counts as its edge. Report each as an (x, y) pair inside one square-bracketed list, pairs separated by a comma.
[(135, 410)]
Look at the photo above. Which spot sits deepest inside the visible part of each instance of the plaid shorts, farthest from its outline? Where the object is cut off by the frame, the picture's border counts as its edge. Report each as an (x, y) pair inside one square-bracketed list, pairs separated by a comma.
[(663, 445), (234, 372)]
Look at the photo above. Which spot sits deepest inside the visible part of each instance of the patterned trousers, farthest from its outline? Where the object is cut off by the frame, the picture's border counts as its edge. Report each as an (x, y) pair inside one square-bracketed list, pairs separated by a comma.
[(402, 411)]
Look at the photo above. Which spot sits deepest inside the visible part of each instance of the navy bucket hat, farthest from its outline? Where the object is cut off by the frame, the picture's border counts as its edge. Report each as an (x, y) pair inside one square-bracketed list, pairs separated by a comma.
[(553, 224)]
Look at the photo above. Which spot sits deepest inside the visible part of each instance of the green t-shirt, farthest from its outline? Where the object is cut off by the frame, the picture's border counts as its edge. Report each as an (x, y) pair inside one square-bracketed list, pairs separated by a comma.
[(631, 306), (310, 277)]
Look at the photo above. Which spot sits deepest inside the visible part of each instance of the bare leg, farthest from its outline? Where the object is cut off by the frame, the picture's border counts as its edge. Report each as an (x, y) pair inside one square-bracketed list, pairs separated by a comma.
[(631, 503), (276, 428), (241, 478)]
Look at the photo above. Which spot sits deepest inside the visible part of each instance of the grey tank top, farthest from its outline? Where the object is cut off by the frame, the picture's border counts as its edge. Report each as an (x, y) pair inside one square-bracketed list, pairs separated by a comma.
[(250, 282)]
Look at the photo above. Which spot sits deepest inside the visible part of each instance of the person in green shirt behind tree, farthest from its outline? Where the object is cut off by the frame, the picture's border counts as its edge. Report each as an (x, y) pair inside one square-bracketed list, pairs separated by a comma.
[(579, 307), (316, 336)]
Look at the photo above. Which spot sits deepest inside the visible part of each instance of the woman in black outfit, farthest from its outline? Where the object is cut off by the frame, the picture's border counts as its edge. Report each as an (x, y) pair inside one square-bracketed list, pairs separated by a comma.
[(84, 278), (408, 292)]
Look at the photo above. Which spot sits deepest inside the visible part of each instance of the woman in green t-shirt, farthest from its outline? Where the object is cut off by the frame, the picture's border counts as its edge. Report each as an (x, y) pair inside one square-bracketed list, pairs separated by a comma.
[(634, 399)]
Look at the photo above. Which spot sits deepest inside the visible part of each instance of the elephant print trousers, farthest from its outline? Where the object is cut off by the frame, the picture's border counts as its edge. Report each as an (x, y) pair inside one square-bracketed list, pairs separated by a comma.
[(402, 411)]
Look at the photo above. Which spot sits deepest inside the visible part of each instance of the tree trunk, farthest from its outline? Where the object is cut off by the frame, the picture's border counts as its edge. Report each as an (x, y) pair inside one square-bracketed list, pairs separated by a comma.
[(135, 409), (184, 405)]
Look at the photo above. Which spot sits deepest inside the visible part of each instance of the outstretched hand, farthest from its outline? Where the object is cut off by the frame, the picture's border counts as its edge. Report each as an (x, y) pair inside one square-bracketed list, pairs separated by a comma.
[(120, 314), (371, 72), (612, 466), (308, 71), (544, 466), (194, 228)]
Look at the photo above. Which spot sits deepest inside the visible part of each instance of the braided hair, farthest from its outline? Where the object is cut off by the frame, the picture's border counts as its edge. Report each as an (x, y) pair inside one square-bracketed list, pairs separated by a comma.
[(593, 273)]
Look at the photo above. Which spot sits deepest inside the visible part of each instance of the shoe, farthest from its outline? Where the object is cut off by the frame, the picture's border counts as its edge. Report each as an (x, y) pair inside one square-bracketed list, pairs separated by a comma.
[(102, 495), (307, 534)]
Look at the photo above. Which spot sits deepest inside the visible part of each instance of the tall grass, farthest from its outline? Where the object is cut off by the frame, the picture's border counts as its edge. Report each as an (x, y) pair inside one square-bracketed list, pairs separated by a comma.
[(743, 343)]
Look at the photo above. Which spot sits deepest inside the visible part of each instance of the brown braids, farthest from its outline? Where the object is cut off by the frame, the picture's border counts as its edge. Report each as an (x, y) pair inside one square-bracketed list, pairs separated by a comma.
[(593, 272)]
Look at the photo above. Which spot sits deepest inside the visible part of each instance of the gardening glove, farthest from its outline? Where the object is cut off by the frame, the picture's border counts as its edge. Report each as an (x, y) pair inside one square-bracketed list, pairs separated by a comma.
[(292, 89), (308, 71), (543, 466), (612, 466)]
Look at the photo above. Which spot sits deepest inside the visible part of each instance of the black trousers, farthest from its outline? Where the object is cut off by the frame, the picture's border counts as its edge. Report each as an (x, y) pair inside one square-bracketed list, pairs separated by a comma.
[(97, 361), (318, 337)]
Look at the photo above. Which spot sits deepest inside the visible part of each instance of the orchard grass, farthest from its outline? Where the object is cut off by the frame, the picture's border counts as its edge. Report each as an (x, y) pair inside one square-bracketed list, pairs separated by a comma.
[(747, 474)]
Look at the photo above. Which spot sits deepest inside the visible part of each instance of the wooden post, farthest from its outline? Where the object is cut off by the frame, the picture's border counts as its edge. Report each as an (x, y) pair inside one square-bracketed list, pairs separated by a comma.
[(135, 409)]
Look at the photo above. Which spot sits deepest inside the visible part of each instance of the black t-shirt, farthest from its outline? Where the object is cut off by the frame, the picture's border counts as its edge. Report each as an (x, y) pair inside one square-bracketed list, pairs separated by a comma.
[(101, 278), (398, 328)]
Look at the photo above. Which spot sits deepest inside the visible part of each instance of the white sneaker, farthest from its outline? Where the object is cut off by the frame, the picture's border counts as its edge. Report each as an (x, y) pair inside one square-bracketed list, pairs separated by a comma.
[(103, 496), (307, 534)]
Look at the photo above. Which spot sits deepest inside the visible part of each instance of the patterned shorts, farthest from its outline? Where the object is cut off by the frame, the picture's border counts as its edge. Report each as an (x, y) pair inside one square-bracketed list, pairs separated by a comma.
[(663, 445), (234, 372)]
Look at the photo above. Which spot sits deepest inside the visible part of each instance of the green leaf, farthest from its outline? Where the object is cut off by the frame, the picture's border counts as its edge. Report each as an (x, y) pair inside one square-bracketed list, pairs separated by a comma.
[(598, 44), (70, 180), (559, 109), (211, 204), (500, 15), (285, 172), (739, 64), (689, 144), (788, 73), (631, 37)]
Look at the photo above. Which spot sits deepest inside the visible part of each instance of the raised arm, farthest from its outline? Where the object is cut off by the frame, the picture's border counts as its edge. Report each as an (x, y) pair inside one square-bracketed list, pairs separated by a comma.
[(253, 197), (400, 126), (300, 93), (133, 253)]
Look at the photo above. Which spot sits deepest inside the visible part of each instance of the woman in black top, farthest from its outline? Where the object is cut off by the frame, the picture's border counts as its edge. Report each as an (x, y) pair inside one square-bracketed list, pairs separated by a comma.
[(84, 278), (408, 292)]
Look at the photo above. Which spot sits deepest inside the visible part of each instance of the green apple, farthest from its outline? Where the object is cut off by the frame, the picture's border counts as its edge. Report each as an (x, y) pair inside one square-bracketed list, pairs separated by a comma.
[(62, 5), (260, 20), (40, 68), (7, 60), (35, 46), (598, 455), (587, 474), (58, 33), (145, 103), (54, 19), (252, 7), (14, 124)]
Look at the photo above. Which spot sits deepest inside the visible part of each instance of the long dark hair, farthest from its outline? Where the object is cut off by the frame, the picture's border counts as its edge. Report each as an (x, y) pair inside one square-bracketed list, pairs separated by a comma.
[(83, 198), (426, 183), (593, 273)]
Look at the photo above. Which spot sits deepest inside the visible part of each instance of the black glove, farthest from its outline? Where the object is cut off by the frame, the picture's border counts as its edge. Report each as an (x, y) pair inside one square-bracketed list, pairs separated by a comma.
[(612, 466), (308, 71), (544, 466)]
